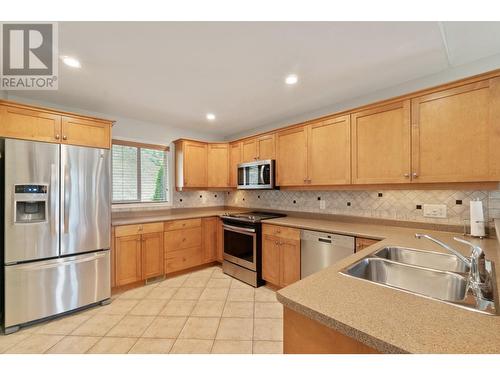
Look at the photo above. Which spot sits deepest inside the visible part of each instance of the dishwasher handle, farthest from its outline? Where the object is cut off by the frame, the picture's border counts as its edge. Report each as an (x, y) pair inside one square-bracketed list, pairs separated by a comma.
[(326, 240)]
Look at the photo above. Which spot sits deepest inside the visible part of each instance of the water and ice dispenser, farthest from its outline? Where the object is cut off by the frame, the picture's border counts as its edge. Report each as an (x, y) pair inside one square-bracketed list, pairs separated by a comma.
[(30, 204)]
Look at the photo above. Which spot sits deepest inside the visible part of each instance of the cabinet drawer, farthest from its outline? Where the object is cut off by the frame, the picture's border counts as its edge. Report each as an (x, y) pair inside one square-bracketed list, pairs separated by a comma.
[(182, 259), (281, 232), (133, 229), (182, 224), (182, 239)]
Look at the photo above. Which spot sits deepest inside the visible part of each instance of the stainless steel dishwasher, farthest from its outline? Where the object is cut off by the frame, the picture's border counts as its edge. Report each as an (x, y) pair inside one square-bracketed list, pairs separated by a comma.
[(319, 250)]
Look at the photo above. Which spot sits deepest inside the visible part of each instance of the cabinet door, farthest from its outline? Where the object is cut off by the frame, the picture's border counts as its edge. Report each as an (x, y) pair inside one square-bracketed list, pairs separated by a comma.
[(218, 165), (329, 152), (29, 124), (291, 157), (220, 241), (234, 160), (152, 255), (381, 144), (209, 230), (289, 262), (455, 135), (266, 147), (271, 259), (195, 164), (362, 243), (249, 150), (128, 259), (83, 132)]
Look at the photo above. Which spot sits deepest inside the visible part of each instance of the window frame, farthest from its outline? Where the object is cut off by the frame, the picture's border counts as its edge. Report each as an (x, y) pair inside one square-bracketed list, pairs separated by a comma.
[(138, 146)]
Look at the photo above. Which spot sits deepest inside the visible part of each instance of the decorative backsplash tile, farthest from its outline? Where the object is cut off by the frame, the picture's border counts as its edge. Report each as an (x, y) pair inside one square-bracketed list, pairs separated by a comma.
[(189, 199), (404, 205)]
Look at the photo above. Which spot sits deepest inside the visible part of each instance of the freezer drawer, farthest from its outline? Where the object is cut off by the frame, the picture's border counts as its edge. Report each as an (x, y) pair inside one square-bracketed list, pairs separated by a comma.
[(40, 289), (319, 250)]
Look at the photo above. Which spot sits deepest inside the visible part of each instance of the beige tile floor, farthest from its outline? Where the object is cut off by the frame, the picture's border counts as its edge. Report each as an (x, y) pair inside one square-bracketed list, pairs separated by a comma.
[(204, 311)]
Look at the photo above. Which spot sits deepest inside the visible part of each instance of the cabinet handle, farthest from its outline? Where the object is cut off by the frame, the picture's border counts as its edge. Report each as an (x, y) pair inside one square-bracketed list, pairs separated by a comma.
[(58, 136), (64, 137), (407, 175), (415, 175)]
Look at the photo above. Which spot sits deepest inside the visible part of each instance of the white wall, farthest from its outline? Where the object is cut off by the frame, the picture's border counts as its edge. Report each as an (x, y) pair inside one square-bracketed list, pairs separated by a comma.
[(3, 94), (451, 74)]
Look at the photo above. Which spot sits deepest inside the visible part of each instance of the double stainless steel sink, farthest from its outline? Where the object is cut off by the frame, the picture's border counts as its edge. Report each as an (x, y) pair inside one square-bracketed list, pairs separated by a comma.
[(430, 274)]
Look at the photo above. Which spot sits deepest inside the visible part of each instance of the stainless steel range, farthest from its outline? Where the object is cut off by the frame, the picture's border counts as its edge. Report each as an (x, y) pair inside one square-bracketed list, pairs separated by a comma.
[(242, 245)]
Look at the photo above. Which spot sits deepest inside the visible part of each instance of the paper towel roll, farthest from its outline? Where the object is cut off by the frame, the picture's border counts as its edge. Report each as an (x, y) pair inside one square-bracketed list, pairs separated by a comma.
[(476, 218)]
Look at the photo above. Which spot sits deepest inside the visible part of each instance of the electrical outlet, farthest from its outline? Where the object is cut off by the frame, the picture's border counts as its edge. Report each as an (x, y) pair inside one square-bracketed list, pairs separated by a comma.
[(322, 205), (435, 210)]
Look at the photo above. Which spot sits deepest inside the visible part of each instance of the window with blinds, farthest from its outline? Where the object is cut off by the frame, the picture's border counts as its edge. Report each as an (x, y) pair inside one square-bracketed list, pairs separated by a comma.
[(139, 174)]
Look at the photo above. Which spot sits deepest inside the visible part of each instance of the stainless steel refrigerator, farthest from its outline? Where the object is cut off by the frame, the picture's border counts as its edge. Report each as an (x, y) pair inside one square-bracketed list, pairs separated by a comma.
[(55, 231)]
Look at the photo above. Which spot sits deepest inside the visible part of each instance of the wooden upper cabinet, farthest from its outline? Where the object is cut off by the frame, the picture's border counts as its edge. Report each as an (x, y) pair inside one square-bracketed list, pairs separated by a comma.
[(128, 259), (29, 124), (291, 155), (218, 165), (84, 132), (152, 255), (234, 160), (456, 134), (329, 152), (209, 240), (381, 144), (194, 164), (36, 124), (259, 148), (249, 150), (266, 147)]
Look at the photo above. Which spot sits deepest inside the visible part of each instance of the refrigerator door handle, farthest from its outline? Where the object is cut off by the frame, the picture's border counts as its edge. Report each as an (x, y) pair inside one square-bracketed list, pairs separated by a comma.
[(65, 194), (53, 200), (52, 263)]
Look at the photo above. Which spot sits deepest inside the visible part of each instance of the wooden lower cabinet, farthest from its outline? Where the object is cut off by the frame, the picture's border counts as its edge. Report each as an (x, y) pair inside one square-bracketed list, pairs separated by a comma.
[(209, 234), (128, 259), (362, 243), (271, 259), (183, 247), (152, 255), (289, 261), (302, 335), (136, 256), (280, 255), (220, 241)]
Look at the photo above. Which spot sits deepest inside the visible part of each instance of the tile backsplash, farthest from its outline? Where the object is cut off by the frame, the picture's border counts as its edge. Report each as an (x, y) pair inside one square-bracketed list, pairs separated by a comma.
[(404, 205), (189, 199)]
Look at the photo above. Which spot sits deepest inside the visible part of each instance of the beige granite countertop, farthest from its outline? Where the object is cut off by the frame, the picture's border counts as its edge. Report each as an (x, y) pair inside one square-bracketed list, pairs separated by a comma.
[(150, 216), (389, 320)]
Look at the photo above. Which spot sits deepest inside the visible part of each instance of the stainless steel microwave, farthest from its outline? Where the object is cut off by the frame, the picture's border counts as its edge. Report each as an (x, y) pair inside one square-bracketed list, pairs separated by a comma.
[(256, 175)]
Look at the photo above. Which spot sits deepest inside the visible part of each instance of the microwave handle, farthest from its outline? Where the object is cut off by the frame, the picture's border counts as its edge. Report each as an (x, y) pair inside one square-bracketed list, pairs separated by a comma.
[(261, 174)]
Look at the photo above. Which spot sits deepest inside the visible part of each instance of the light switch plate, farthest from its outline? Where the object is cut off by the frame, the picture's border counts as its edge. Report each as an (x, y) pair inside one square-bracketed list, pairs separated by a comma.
[(322, 205), (435, 210)]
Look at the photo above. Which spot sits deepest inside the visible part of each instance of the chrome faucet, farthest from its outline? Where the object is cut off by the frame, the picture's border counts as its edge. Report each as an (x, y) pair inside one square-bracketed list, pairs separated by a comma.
[(472, 262)]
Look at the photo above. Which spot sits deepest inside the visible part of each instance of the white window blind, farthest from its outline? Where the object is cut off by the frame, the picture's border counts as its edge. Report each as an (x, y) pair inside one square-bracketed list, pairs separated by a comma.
[(139, 174)]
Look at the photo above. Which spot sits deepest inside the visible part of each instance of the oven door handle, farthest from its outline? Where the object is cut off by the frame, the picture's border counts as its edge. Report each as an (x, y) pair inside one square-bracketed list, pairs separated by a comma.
[(238, 229)]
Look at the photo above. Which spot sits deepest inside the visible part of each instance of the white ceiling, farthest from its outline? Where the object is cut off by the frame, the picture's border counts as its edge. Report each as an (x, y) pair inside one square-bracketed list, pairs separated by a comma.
[(174, 73)]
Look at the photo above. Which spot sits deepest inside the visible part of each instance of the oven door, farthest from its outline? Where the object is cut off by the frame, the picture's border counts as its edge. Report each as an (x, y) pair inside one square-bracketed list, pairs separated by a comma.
[(256, 175), (240, 246)]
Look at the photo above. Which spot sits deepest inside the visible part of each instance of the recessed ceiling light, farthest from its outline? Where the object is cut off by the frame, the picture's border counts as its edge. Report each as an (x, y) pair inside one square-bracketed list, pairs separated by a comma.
[(291, 79), (210, 117), (71, 61)]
